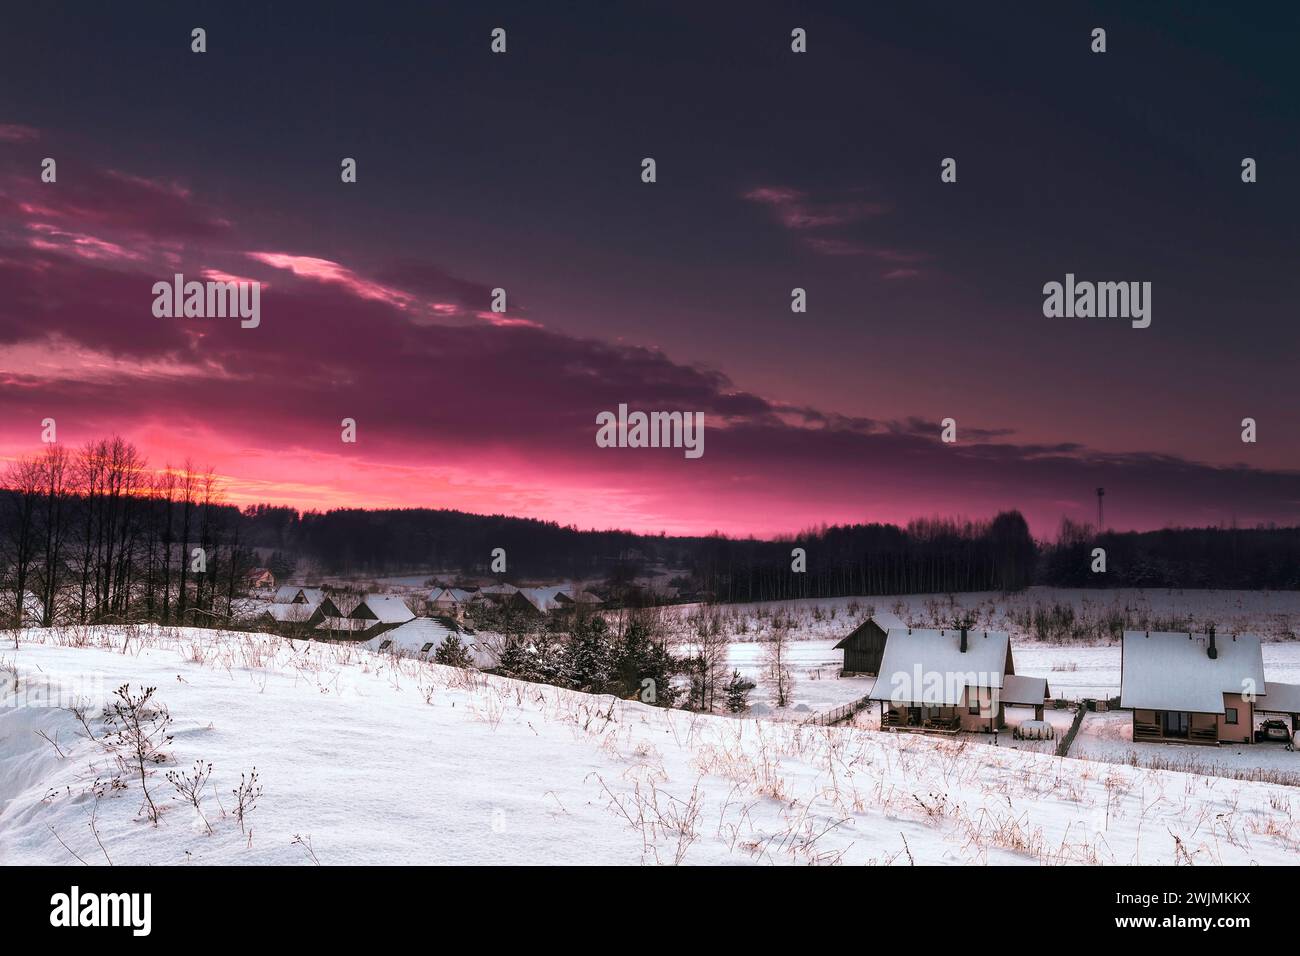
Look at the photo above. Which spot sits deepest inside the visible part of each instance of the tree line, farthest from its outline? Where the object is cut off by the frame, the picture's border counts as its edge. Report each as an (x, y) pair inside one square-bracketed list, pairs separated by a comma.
[(94, 536), (97, 535)]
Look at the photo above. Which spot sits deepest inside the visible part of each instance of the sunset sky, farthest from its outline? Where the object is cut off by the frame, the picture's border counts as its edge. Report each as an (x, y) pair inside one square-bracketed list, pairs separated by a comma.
[(775, 170)]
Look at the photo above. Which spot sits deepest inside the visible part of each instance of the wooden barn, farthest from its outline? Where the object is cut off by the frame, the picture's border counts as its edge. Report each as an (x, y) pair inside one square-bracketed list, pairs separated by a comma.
[(864, 647)]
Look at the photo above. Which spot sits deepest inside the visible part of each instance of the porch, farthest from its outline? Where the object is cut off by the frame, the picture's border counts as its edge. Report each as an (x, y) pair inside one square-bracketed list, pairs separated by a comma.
[(934, 719), (1175, 726)]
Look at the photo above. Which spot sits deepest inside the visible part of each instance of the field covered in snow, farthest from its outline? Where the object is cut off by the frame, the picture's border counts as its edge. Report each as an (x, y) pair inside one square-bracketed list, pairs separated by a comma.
[(365, 758), (1056, 615)]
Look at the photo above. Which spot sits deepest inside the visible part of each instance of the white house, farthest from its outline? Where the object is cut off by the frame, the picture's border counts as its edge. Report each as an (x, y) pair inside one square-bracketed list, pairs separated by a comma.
[(1200, 688), (949, 680)]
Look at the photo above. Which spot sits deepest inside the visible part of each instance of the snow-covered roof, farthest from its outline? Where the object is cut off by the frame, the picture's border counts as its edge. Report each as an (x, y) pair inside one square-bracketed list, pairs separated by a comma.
[(542, 598), (450, 595), (885, 621), (577, 597), (344, 602), (1163, 670), (1024, 691), (387, 608), (291, 613), (343, 624), (889, 621), (1280, 699), (423, 636), (289, 593), (927, 666)]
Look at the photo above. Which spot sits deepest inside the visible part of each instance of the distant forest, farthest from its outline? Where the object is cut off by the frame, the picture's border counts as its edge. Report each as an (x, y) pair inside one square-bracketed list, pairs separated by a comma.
[(102, 536), (928, 555)]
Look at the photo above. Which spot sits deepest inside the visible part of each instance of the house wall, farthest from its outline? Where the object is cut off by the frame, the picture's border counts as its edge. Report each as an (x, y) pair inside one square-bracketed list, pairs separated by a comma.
[(862, 660), (984, 697), (863, 653), (1243, 730)]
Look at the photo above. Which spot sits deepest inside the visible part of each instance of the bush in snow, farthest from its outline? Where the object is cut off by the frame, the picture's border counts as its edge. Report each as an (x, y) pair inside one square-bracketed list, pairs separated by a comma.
[(139, 732)]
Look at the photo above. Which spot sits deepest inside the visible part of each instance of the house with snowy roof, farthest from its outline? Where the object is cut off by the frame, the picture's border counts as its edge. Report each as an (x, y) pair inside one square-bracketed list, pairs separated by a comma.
[(296, 615), (952, 679), (1198, 688), (450, 602), (421, 638), (293, 594), (381, 612)]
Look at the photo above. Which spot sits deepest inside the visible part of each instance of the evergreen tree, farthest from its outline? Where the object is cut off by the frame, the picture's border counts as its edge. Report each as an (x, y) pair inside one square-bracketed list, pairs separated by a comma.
[(738, 689), (516, 660), (453, 653), (589, 659)]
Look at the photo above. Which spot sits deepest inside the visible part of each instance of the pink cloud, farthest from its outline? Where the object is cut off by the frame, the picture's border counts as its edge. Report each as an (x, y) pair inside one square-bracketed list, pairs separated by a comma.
[(17, 133), (324, 270), (794, 211), (467, 409)]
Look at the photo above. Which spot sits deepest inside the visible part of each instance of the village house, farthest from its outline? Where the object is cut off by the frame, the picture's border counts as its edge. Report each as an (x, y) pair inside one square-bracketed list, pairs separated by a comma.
[(1199, 688), (449, 602), (289, 618), (865, 645), (380, 612), (260, 579), (573, 599), (421, 638), (294, 594), (944, 681)]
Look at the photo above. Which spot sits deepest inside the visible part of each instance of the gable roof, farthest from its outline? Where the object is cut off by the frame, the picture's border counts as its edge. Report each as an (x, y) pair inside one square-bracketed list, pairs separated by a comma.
[(927, 666), (342, 624), (409, 640), (1018, 690), (290, 613), (575, 596), (289, 594), (884, 620), (387, 608), (542, 598), (454, 595), (1164, 670)]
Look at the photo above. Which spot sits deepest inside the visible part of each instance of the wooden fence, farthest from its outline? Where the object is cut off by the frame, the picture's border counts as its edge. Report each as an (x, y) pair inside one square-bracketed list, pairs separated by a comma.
[(827, 718)]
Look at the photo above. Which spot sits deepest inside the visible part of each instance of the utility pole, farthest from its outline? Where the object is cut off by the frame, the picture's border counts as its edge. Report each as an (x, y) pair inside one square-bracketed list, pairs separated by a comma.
[(1101, 520)]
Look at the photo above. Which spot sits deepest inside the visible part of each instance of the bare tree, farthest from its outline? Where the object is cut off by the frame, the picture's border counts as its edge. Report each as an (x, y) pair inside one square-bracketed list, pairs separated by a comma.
[(22, 493), (710, 660), (55, 472), (777, 659)]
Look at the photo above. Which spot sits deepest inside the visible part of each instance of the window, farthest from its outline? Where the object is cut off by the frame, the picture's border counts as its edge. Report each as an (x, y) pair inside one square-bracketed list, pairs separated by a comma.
[(1230, 715), (973, 698), (385, 645), (427, 648)]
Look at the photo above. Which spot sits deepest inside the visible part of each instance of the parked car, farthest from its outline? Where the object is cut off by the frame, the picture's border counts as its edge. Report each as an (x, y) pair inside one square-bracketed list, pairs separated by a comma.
[(1273, 730)]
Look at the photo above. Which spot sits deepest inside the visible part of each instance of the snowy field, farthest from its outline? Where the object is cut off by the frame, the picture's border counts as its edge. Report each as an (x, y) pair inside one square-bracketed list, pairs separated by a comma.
[(1274, 615), (1075, 669), (1073, 672), (370, 759)]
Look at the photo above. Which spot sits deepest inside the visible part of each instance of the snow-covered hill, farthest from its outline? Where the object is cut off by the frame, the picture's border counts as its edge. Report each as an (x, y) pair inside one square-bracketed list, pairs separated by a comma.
[(363, 758)]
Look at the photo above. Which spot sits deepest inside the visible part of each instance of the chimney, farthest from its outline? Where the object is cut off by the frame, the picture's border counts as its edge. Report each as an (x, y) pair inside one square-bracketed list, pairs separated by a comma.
[(1212, 651), (963, 640)]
